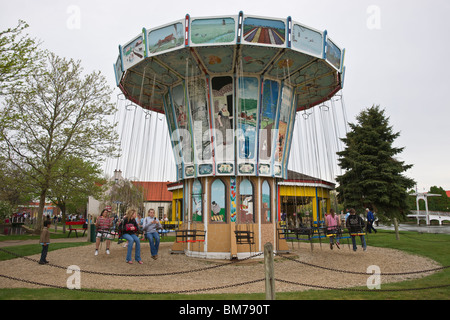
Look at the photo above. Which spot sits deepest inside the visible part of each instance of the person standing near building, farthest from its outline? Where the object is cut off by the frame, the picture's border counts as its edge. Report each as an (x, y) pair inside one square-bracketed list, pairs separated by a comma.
[(45, 241), (151, 227), (370, 221)]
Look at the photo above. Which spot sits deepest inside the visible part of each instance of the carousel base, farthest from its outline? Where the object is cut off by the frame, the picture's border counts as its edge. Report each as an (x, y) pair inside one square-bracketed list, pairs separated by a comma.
[(180, 248)]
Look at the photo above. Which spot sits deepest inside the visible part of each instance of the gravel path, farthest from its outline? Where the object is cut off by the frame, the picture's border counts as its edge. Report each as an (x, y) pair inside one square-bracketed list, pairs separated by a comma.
[(389, 261)]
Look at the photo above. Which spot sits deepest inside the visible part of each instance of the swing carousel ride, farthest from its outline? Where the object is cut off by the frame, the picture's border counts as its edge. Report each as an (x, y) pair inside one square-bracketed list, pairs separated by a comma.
[(230, 88)]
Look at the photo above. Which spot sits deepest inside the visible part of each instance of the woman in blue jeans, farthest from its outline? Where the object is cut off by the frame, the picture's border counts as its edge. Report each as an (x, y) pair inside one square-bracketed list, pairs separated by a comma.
[(151, 226), (130, 231)]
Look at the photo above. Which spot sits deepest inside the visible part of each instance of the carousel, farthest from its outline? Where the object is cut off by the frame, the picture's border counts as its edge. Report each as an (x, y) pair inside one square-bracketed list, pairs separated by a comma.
[(230, 88)]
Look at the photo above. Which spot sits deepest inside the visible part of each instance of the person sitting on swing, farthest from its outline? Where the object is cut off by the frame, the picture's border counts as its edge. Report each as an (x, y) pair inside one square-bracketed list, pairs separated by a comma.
[(103, 226), (355, 225), (333, 223)]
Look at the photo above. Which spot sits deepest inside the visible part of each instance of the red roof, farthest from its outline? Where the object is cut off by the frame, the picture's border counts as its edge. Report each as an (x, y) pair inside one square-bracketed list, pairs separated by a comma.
[(448, 193), (154, 190)]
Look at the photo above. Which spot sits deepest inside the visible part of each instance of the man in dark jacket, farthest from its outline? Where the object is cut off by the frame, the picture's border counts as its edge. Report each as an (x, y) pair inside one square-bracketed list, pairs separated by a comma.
[(370, 221), (355, 225)]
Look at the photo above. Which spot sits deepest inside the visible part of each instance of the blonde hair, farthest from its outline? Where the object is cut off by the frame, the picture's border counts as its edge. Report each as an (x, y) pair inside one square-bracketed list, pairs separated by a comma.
[(130, 212)]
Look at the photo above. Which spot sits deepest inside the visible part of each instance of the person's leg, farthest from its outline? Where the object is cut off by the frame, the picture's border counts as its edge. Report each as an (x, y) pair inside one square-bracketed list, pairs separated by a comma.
[(151, 242), (363, 243), (108, 245), (137, 252), (130, 241), (156, 244), (97, 242), (44, 254), (354, 243)]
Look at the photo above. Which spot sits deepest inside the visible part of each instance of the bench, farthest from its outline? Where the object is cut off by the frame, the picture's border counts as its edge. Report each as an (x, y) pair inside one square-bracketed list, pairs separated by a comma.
[(72, 227)]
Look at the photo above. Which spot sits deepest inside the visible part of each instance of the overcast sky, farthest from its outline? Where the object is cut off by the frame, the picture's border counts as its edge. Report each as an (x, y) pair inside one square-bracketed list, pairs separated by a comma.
[(396, 54)]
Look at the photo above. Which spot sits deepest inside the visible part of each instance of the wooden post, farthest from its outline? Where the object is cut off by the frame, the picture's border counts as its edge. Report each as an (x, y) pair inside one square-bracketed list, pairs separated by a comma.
[(397, 236), (268, 266)]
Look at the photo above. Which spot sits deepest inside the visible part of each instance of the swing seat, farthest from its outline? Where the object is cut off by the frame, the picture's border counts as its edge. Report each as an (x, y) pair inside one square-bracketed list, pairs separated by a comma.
[(358, 234)]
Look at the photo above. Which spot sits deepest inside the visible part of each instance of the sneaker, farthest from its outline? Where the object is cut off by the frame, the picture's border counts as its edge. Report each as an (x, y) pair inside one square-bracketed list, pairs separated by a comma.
[(96, 253), (331, 246), (107, 251), (364, 249)]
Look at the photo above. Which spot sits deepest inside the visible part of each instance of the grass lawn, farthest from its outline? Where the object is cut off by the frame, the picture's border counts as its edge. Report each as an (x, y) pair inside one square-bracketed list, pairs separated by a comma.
[(434, 246)]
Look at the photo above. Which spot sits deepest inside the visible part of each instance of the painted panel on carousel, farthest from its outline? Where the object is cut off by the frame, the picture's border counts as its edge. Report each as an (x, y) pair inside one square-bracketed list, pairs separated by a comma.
[(217, 59), (334, 54), (255, 59), (289, 134), (264, 31), (270, 98), (197, 214), (265, 202), (222, 110), (201, 128), (184, 134), (213, 31), (133, 52), (218, 201), (246, 202), (307, 40), (118, 71), (166, 38), (233, 199), (247, 117), (283, 122)]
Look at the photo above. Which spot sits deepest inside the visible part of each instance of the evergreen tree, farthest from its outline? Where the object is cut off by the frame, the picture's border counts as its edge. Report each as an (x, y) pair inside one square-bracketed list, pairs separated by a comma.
[(373, 176)]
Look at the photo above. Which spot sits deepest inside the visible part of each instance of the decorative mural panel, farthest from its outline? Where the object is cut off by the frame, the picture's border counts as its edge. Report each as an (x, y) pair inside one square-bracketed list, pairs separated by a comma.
[(200, 128), (197, 201), (233, 199), (222, 110), (213, 30), (264, 31), (267, 123), (133, 52), (334, 54), (247, 120), (246, 202), (217, 59), (165, 38), (307, 40), (265, 202), (283, 122), (218, 201)]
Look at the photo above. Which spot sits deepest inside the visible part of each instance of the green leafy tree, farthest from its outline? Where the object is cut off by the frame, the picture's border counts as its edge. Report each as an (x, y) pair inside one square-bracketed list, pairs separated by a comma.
[(75, 181), (18, 55), (373, 177), (61, 111)]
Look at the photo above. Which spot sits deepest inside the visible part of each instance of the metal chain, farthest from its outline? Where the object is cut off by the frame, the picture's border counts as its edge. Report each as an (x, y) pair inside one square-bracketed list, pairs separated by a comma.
[(225, 286), (134, 292), (138, 275), (362, 273), (361, 290)]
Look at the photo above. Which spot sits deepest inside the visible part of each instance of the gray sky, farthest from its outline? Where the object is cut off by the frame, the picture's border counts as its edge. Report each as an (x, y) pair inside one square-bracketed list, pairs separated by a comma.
[(396, 54)]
